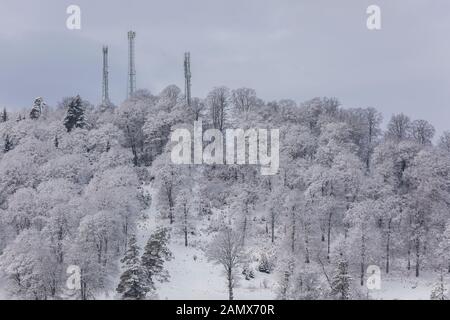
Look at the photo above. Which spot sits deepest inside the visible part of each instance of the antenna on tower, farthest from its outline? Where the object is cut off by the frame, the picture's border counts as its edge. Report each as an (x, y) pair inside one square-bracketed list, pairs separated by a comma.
[(187, 76), (131, 65), (105, 87)]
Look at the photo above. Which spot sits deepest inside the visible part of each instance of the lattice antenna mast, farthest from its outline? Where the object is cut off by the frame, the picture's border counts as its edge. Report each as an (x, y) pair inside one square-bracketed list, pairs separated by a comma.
[(187, 76), (105, 87), (131, 64)]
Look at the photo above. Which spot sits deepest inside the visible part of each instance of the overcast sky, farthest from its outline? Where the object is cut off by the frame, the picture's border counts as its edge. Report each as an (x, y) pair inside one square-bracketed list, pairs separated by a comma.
[(294, 49)]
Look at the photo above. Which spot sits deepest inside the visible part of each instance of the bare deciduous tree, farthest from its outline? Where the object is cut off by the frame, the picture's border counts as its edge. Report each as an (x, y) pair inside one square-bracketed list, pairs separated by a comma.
[(399, 127), (444, 141), (197, 107), (422, 131), (226, 250), (218, 101), (244, 99)]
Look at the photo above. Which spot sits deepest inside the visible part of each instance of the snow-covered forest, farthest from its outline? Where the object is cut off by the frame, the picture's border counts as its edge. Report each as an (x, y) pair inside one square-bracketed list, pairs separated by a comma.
[(94, 187)]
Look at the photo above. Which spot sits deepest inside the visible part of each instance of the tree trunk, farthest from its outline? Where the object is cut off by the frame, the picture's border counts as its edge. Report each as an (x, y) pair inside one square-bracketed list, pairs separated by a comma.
[(105, 259), (230, 284), (329, 236), (388, 246), (125, 231), (293, 232), (307, 259), (244, 227), (244, 231), (133, 147), (409, 255), (417, 257), (83, 288), (272, 227), (171, 205), (363, 257), (185, 227)]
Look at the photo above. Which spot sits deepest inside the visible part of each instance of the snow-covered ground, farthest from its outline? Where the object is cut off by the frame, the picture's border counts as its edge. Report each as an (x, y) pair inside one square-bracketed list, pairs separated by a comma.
[(192, 276), (405, 288)]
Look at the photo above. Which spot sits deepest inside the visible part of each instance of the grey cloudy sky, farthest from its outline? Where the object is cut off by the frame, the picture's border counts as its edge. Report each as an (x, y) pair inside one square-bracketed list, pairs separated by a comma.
[(295, 49)]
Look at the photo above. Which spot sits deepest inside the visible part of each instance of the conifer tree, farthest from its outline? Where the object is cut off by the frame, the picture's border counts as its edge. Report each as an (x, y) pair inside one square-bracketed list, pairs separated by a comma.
[(75, 114), (4, 116), (37, 109), (8, 144), (155, 254), (341, 281), (133, 283)]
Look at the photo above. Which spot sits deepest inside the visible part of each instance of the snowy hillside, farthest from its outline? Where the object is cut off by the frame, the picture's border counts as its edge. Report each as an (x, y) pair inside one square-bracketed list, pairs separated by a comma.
[(96, 204)]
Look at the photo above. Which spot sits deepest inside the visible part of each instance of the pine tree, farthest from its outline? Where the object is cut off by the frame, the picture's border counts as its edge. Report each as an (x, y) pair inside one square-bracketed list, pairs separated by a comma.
[(133, 283), (341, 282), (37, 109), (75, 114), (4, 116), (155, 254), (439, 292), (8, 144)]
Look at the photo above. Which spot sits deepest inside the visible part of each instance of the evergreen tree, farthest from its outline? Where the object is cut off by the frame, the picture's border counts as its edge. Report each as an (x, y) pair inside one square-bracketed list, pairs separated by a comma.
[(37, 109), (341, 282), (56, 142), (439, 292), (155, 254), (4, 116), (8, 144), (133, 284), (75, 114)]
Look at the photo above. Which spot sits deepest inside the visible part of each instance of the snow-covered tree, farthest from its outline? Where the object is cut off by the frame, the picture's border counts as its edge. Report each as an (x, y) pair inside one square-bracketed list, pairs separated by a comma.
[(428, 201), (226, 250), (156, 253), (184, 207), (422, 131), (29, 267), (168, 179), (75, 117), (218, 102), (4, 116), (444, 141), (197, 108), (130, 118), (243, 99), (133, 283), (399, 127), (342, 281), (8, 144), (360, 220), (38, 108), (444, 248), (440, 291)]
